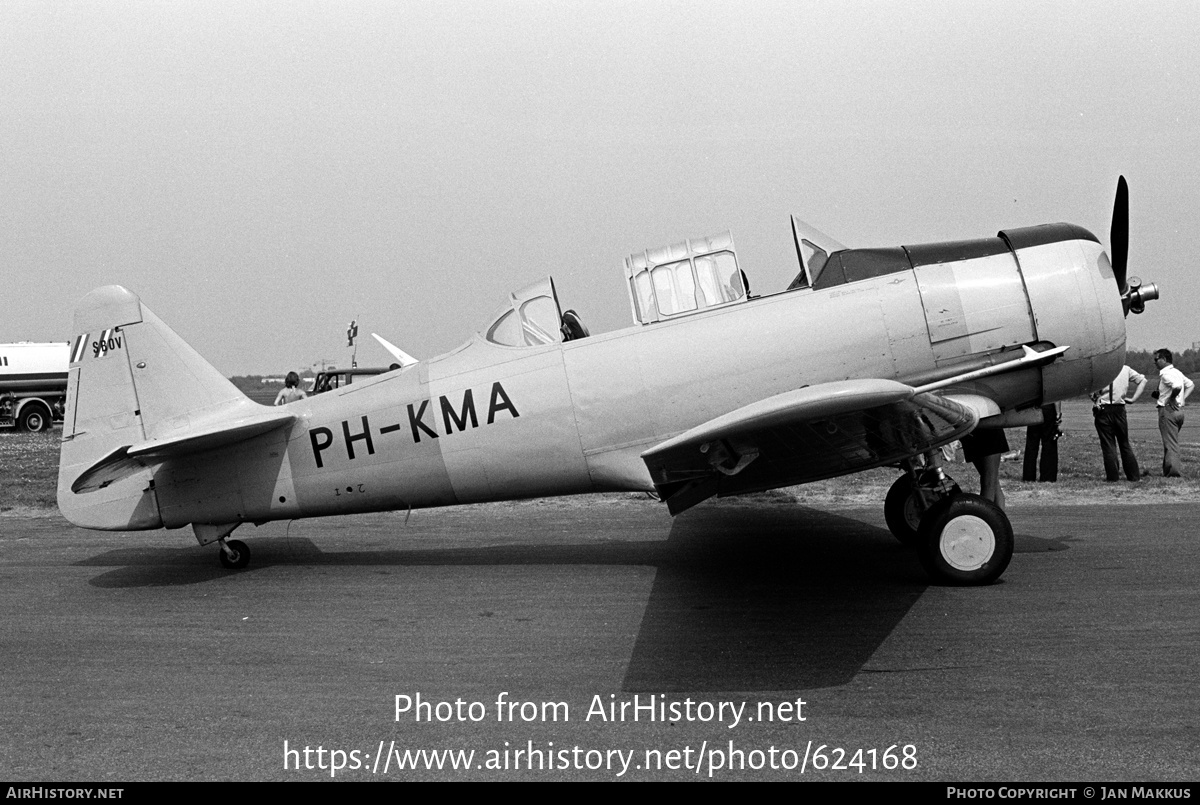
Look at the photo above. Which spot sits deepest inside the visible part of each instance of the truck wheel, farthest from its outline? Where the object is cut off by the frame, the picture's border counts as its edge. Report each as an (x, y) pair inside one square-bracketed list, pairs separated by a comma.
[(34, 419)]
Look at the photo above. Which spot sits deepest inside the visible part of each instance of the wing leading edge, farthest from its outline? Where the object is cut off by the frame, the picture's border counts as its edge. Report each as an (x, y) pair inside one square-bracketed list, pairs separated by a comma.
[(804, 435)]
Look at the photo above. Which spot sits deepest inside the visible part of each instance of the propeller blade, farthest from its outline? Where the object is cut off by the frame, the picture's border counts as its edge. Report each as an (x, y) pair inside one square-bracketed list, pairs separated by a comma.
[(1118, 238)]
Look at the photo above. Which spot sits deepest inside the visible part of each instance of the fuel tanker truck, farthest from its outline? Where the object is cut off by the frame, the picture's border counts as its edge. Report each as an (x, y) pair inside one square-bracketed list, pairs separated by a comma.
[(33, 384)]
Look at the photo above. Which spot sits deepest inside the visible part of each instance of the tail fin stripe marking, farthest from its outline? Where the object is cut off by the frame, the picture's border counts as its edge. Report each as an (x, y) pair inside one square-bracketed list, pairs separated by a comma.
[(80, 345)]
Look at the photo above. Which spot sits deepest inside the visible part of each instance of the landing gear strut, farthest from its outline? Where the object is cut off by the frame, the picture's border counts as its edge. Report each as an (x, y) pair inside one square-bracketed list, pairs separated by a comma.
[(961, 539), (913, 494), (234, 554)]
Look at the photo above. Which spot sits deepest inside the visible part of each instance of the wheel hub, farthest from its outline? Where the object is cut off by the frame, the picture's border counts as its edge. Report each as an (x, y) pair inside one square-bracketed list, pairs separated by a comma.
[(967, 543)]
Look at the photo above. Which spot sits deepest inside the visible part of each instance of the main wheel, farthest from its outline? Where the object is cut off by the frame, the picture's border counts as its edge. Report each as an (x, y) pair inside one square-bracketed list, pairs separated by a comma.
[(902, 511), (240, 557), (965, 540), (34, 419), (903, 507)]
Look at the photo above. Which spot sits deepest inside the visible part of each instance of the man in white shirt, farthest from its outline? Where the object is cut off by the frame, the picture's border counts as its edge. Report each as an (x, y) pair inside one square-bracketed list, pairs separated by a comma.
[(1108, 409), (1173, 391)]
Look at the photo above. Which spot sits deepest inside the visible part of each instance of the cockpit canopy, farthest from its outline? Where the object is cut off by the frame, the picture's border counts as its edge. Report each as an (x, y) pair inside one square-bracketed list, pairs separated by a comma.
[(532, 318), (684, 278), (702, 274)]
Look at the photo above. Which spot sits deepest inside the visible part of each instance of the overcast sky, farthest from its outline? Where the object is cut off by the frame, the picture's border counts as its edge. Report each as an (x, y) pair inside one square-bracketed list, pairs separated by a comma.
[(260, 173)]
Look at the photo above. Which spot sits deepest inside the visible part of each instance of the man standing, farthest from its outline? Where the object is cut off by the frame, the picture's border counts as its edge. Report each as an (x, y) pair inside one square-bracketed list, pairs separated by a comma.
[(1043, 437), (983, 447), (1173, 391), (1108, 409)]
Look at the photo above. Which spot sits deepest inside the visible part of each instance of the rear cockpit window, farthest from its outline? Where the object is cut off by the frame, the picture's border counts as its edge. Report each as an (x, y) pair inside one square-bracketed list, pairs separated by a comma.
[(684, 278), (674, 288)]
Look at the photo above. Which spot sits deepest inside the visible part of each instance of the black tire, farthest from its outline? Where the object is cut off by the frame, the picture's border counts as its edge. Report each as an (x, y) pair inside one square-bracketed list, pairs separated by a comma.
[(902, 511), (34, 418), (965, 541), (240, 558)]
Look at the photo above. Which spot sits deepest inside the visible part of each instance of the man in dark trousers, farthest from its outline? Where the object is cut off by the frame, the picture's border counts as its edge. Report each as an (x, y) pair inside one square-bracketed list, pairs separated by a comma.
[(1173, 390), (1112, 425), (1043, 436)]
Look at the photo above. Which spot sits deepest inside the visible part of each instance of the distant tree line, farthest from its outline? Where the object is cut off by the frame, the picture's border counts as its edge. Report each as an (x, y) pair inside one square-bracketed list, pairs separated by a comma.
[(1142, 360)]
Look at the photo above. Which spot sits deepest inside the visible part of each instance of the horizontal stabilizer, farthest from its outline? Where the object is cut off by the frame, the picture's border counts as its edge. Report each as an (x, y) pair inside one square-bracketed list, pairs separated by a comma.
[(128, 459)]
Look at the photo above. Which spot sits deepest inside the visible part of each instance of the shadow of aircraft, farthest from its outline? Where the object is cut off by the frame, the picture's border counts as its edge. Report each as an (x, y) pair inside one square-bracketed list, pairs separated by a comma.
[(776, 598), (750, 598)]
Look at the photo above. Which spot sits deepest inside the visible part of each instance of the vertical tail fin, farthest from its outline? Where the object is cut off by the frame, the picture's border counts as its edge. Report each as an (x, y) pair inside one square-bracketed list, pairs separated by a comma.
[(131, 379)]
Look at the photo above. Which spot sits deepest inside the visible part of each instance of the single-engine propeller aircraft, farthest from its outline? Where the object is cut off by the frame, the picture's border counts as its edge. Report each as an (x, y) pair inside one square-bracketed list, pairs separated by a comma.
[(871, 357)]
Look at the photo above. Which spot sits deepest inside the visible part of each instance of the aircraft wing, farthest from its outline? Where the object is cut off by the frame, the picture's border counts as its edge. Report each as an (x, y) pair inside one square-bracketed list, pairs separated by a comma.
[(128, 459), (804, 435)]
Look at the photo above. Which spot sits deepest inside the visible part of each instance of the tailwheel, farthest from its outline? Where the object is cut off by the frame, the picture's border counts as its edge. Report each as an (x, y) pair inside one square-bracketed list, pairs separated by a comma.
[(966, 540), (234, 554), (910, 497)]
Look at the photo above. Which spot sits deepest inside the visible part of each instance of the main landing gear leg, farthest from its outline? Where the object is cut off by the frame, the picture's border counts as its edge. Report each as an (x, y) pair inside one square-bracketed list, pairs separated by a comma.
[(961, 539), (921, 486)]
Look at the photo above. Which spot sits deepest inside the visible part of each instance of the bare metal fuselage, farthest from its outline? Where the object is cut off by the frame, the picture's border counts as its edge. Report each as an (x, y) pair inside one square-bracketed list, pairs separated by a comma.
[(489, 422)]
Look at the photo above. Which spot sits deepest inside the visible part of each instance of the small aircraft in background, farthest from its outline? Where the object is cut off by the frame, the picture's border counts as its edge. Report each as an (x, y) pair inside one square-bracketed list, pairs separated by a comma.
[(871, 357)]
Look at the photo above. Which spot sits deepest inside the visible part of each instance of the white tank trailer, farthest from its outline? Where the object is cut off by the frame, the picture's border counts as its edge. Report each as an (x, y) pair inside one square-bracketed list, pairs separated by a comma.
[(33, 384)]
